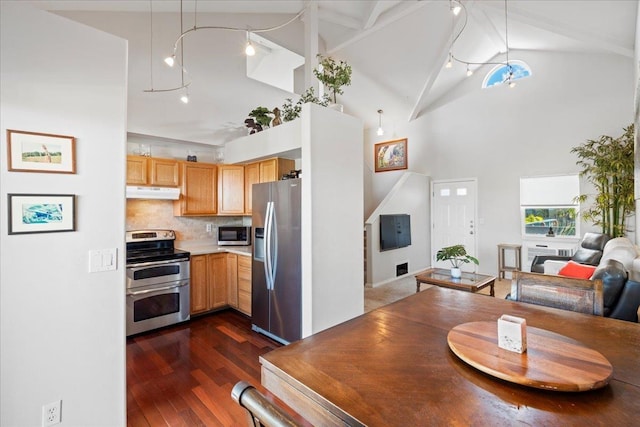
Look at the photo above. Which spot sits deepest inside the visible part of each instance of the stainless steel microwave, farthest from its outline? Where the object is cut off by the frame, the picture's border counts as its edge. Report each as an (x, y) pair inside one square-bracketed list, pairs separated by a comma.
[(234, 236)]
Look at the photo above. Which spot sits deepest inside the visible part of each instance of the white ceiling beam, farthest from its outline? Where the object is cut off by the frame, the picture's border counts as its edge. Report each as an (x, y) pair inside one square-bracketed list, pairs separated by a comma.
[(496, 36), (371, 15), (442, 58), (559, 28), (399, 11), (339, 19)]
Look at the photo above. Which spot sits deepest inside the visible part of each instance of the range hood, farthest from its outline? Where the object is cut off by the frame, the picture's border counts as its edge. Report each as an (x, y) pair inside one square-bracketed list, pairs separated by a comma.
[(163, 193)]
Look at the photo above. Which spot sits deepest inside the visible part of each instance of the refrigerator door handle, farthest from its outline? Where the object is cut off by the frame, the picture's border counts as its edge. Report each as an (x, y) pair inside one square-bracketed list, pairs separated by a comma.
[(267, 245), (274, 233)]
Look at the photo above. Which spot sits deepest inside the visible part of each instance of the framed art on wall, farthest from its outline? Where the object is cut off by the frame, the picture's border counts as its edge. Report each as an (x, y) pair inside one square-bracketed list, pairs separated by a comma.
[(40, 152), (390, 155), (41, 213)]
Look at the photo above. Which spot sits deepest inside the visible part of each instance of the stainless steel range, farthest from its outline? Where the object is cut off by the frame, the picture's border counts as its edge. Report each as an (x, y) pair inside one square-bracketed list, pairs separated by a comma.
[(157, 281)]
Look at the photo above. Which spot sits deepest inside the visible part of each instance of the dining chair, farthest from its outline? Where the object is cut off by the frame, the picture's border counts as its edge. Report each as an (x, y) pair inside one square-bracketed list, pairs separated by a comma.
[(260, 411), (580, 295)]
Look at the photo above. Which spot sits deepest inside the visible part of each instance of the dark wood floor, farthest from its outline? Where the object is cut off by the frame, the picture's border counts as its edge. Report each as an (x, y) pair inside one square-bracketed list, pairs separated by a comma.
[(183, 376)]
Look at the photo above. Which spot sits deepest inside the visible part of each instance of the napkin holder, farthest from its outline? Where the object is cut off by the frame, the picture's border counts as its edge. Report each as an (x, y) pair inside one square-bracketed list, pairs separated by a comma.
[(512, 333)]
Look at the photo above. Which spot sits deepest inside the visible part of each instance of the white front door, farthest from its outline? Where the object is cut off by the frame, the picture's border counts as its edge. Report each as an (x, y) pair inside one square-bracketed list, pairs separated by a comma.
[(453, 218)]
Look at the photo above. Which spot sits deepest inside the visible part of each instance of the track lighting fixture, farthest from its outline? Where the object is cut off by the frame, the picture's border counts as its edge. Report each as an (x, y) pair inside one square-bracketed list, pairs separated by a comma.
[(450, 61), (456, 6), (249, 50), (380, 130)]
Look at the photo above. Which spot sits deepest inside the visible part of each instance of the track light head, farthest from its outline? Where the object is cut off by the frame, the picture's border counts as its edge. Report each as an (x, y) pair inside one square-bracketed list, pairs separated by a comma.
[(249, 50), (456, 7), (170, 60)]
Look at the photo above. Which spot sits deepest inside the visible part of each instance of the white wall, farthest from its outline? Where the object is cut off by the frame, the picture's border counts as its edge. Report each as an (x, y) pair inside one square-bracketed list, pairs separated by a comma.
[(498, 135), (332, 204), (63, 332), (409, 196)]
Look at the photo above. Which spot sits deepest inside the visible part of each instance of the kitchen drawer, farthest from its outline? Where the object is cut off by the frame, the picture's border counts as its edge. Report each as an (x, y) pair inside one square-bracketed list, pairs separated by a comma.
[(244, 273), (244, 261), (244, 302), (244, 284)]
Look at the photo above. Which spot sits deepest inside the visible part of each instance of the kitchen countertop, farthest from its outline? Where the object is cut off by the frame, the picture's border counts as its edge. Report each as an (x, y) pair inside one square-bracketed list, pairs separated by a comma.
[(208, 247)]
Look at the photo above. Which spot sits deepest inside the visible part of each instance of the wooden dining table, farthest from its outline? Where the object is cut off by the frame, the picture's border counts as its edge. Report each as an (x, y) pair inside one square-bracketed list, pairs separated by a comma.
[(393, 367)]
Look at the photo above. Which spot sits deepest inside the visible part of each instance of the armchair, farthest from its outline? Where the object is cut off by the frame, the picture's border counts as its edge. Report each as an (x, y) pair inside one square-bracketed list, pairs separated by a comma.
[(589, 252)]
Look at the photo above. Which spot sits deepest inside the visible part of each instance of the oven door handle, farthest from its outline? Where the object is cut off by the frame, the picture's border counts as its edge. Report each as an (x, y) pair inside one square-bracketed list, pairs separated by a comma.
[(165, 288)]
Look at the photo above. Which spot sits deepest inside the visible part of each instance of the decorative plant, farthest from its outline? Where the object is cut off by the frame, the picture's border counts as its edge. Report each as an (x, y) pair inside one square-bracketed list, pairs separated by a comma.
[(333, 75), (291, 111), (261, 115), (608, 164), (457, 255)]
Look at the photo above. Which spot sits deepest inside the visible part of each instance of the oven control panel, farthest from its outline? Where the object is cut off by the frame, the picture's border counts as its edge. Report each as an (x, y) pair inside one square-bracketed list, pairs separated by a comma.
[(149, 235)]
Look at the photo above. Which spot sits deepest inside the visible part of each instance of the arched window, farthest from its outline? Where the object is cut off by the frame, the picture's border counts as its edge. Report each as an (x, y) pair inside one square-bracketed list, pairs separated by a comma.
[(503, 73)]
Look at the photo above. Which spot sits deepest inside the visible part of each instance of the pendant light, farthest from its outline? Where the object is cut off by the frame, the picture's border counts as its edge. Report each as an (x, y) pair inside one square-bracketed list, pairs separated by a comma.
[(380, 130)]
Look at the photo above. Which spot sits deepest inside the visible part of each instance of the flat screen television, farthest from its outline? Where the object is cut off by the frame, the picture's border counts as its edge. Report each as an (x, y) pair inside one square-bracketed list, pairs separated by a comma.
[(395, 231)]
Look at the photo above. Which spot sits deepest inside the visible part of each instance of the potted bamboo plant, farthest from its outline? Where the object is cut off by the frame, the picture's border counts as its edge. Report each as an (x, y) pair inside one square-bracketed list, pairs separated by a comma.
[(456, 255), (608, 163)]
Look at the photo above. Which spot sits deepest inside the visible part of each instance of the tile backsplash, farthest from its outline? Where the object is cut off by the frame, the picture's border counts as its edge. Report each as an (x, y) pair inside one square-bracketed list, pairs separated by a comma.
[(158, 214)]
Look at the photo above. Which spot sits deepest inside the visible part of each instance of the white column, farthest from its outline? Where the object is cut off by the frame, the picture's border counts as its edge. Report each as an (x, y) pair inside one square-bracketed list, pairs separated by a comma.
[(311, 46)]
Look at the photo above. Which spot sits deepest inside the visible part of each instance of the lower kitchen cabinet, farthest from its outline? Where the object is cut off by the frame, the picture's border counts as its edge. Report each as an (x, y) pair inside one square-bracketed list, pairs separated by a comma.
[(232, 280), (199, 284), (244, 284), (219, 280), (217, 270), (208, 282)]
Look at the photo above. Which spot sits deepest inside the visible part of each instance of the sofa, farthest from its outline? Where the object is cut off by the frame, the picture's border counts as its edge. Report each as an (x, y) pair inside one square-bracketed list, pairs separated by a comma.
[(619, 270)]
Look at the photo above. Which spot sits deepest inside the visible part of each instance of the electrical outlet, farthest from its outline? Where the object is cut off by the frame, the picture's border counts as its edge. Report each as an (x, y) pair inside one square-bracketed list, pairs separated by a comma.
[(51, 413), (209, 225)]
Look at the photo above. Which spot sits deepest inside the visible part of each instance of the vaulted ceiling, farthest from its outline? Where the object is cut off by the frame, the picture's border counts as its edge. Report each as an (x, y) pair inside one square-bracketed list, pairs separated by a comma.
[(397, 50)]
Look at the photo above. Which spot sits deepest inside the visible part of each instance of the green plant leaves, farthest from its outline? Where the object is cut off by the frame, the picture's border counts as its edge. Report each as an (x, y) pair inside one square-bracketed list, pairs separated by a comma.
[(608, 164)]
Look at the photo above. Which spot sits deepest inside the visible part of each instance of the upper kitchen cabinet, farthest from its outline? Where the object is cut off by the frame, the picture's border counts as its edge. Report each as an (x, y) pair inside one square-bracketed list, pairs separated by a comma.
[(164, 172), (231, 190), (143, 170), (198, 190), (137, 167), (264, 171)]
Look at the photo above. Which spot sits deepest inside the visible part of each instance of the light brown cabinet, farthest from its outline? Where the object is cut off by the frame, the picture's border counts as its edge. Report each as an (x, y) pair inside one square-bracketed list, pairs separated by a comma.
[(264, 171), (232, 280), (164, 172), (231, 190), (198, 190), (219, 280), (208, 282), (143, 170), (217, 270), (244, 284), (199, 284)]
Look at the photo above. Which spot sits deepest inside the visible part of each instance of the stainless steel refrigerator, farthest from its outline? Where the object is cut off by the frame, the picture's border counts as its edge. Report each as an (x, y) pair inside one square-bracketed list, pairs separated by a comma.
[(276, 276)]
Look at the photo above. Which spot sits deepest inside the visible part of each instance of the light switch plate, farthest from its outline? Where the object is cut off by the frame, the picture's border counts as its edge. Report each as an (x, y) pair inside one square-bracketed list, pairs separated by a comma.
[(103, 260)]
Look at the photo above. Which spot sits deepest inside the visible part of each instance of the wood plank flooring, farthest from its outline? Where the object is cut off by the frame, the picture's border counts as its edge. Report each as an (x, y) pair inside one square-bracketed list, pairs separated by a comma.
[(183, 375)]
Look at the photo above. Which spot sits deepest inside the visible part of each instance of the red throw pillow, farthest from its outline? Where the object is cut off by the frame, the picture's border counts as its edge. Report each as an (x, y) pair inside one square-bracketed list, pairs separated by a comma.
[(579, 271)]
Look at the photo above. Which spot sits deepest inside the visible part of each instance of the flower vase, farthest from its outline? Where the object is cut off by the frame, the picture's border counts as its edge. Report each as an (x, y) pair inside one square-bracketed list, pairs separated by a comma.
[(456, 273)]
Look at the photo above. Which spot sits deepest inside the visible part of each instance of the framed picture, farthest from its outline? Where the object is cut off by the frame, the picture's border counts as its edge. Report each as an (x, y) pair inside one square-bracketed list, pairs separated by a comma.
[(40, 152), (41, 213), (390, 155)]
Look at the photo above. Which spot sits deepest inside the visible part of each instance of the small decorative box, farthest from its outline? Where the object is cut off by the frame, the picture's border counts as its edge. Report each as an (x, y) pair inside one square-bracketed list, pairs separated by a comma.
[(512, 333)]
